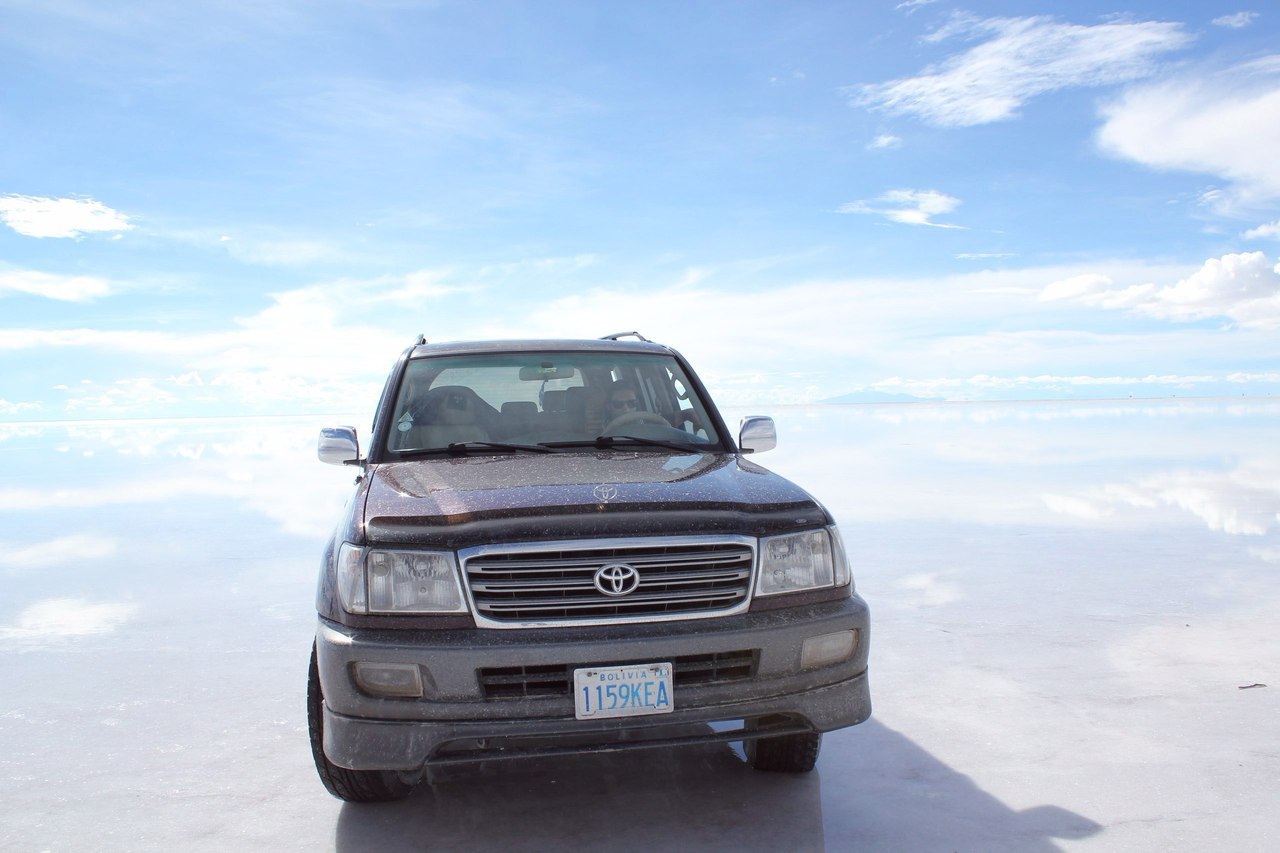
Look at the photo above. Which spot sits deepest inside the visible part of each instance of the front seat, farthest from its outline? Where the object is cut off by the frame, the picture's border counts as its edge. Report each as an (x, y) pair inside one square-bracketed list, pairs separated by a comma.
[(449, 415)]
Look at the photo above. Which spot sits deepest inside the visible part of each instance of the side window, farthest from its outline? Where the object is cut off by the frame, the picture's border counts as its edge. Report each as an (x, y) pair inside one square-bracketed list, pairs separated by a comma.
[(658, 388), (688, 413), (678, 386)]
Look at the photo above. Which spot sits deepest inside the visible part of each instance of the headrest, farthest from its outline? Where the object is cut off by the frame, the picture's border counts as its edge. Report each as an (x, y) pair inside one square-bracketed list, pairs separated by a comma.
[(451, 405), (553, 401)]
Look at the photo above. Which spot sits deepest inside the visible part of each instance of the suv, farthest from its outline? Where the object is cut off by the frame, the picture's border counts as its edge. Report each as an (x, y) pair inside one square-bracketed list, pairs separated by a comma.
[(556, 546)]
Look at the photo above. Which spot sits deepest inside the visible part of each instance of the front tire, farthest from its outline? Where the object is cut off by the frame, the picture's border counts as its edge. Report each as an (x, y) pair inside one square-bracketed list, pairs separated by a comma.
[(354, 786), (796, 753)]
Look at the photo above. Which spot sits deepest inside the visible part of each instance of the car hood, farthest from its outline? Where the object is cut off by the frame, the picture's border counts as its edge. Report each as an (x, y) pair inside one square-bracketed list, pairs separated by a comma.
[(460, 501)]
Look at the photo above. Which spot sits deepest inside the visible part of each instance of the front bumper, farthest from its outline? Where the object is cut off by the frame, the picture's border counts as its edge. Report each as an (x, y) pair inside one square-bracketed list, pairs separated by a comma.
[(454, 721)]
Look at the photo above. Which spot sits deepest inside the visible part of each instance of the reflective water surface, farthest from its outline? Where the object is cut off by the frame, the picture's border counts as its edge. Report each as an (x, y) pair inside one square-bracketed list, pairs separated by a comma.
[(1072, 603)]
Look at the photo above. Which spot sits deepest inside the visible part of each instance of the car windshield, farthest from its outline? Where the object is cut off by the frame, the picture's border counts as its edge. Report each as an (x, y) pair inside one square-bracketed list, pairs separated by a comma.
[(515, 402)]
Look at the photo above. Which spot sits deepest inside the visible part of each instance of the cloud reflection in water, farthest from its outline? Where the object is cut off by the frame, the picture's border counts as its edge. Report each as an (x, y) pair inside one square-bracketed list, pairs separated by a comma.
[(67, 617)]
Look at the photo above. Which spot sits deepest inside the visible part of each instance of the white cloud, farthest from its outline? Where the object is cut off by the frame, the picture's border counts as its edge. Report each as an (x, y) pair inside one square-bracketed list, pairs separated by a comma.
[(910, 207), (986, 328), (431, 114), (59, 217), (67, 617), (64, 288), (123, 396), (1244, 287), (884, 142), (1073, 506), (1237, 21), (1083, 287), (268, 357), (280, 253), (981, 384), (155, 343), (538, 266), (330, 301), (1021, 58), (1225, 124), (1271, 230), (269, 246), (849, 333), (1243, 377), (8, 408)]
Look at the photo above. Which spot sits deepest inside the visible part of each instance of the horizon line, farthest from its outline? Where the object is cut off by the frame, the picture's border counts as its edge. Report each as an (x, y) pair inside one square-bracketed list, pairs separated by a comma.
[(159, 419)]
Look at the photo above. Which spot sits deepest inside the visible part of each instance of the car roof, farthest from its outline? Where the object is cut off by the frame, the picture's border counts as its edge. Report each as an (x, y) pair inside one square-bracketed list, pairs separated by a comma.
[(536, 345)]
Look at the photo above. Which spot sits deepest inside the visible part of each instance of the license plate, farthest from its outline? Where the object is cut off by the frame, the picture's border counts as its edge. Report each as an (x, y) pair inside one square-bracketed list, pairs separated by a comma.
[(622, 691)]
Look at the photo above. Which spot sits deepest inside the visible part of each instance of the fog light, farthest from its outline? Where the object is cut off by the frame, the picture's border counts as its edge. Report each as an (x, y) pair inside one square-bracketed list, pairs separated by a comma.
[(828, 649), (401, 680)]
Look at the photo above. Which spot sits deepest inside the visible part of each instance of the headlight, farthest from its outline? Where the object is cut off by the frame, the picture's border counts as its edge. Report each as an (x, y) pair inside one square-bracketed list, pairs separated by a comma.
[(351, 586), (844, 575), (376, 581), (801, 561)]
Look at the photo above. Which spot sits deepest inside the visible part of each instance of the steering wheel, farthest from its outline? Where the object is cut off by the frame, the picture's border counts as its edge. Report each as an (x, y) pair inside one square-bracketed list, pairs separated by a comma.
[(634, 418)]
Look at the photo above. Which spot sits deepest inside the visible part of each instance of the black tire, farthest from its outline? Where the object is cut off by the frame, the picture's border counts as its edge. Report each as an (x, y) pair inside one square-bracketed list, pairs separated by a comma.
[(796, 753), (354, 786)]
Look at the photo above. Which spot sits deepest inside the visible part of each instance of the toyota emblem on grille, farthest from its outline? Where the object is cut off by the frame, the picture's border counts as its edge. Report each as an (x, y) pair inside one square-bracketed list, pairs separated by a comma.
[(604, 494), (617, 579)]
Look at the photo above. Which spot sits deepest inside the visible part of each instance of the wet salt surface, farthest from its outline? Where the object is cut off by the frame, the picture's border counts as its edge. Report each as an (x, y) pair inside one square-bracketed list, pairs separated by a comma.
[(1067, 600)]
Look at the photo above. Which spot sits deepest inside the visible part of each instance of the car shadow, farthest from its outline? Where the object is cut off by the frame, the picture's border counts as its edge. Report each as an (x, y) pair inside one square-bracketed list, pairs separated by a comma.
[(873, 789), (883, 791)]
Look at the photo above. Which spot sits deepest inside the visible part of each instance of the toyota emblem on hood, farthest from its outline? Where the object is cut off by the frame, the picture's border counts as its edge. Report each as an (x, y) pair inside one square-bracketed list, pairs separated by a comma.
[(604, 494)]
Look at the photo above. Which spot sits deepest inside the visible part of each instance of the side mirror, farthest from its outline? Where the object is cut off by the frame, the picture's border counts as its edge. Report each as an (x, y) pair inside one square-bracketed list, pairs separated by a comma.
[(757, 434), (338, 446)]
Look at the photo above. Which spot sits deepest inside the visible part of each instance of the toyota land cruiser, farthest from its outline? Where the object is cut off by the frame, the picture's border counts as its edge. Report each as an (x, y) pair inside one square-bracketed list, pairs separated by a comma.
[(556, 546)]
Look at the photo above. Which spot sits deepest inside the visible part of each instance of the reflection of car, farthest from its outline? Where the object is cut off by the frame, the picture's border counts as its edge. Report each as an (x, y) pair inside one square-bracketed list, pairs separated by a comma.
[(523, 572)]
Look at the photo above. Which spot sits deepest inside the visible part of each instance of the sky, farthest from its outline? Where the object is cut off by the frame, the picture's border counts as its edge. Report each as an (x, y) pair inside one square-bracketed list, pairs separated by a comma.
[(214, 209)]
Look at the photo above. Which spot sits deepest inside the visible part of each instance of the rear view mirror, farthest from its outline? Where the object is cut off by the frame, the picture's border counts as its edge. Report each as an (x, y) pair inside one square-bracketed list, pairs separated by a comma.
[(546, 371), (757, 434), (338, 446)]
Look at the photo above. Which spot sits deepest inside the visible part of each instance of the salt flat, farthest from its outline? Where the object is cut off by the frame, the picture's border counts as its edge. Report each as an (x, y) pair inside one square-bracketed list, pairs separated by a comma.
[(1071, 604)]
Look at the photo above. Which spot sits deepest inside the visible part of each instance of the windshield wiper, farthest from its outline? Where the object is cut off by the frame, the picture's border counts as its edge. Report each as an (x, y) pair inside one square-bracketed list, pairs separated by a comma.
[(606, 441), (464, 446), (460, 447)]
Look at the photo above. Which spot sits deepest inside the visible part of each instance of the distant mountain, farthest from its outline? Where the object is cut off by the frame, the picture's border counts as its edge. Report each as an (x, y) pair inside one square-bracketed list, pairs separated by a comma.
[(880, 397)]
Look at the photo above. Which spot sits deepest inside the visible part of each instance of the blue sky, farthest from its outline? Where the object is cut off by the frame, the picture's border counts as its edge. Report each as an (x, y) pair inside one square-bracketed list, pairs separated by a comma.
[(217, 209)]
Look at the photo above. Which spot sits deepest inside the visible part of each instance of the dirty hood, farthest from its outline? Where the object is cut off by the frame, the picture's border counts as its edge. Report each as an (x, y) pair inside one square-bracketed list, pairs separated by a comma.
[(460, 501)]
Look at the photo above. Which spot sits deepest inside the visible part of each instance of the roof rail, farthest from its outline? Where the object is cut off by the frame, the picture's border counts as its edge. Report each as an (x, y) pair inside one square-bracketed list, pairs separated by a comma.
[(616, 335), (422, 339)]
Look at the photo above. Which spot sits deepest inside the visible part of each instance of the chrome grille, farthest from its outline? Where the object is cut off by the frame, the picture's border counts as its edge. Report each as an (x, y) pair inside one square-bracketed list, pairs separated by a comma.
[(554, 583), (523, 682)]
